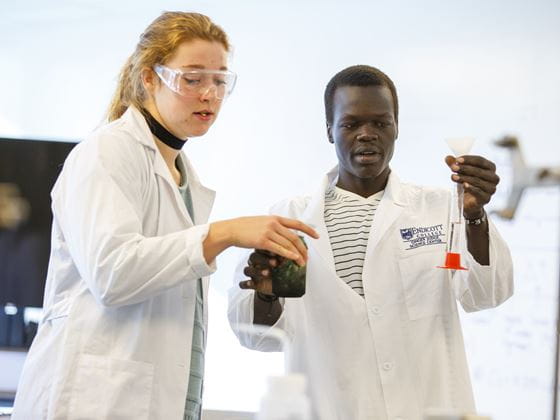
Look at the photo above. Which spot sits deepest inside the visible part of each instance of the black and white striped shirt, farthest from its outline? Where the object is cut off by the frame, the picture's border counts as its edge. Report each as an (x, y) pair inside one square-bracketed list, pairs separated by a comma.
[(348, 217)]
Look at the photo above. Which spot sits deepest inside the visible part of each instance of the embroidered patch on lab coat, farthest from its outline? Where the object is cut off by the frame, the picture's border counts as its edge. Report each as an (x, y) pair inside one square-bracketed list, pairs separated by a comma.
[(415, 237)]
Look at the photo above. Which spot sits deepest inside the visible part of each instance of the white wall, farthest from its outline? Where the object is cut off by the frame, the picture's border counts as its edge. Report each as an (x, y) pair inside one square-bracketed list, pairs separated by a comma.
[(480, 68)]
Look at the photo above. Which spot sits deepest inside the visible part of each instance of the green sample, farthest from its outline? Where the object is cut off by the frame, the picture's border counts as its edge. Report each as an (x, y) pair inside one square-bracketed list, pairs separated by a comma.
[(288, 279)]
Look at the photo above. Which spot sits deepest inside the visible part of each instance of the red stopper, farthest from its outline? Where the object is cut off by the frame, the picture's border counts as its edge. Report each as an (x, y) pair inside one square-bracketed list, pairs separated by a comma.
[(453, 262)]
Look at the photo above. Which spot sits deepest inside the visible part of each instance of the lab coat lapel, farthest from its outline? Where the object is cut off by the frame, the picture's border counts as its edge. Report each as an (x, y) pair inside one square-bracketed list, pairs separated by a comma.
[(314, 215), (161, 170), (142, 134), (202, 197), (391, 206)]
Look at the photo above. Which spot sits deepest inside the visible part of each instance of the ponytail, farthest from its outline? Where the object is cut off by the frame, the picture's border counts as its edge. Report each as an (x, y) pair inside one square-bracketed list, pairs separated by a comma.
[(121, 97)]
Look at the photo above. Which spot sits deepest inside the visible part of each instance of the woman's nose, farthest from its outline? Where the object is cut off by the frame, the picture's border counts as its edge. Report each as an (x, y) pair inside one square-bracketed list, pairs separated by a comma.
[(208, 93)]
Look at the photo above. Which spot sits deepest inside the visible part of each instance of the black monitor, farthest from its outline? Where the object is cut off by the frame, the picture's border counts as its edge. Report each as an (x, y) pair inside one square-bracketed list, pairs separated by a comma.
[(28, 171)]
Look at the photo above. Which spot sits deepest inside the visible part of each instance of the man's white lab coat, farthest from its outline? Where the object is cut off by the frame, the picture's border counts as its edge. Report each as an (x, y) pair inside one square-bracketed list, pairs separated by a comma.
[(115, 338), (400, 350)]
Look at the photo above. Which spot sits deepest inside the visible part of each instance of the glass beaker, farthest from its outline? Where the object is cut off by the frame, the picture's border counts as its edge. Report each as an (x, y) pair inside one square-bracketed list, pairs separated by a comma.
[(288, 279)]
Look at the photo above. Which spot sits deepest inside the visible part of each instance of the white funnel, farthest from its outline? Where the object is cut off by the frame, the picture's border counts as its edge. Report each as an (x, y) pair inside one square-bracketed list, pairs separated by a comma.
[(460, 145)]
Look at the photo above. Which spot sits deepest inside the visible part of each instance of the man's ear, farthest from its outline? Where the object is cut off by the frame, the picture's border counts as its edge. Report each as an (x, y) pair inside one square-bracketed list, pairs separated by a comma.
[(329, 133)]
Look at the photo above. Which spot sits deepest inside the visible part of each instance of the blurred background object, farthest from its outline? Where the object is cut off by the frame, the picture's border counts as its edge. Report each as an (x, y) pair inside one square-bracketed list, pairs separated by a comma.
[(524, 176), (14, 209), (28, 170)]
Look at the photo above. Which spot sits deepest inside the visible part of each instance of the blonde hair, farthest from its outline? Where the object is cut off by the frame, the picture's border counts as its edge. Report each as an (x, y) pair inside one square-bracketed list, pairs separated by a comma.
[(156, 45)]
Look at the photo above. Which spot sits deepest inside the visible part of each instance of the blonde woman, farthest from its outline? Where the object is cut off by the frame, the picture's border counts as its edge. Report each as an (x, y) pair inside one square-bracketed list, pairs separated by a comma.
[(124, 324)]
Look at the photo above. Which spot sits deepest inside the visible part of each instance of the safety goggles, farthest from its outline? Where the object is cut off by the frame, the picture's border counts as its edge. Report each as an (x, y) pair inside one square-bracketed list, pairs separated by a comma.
[(192, 83)]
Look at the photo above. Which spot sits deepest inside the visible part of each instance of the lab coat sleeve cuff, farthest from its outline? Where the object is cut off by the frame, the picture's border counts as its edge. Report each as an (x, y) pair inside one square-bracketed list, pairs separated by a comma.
[(486, 286), (499, 255), (275, 336), (241, 315), (196, 255), (262, 331)]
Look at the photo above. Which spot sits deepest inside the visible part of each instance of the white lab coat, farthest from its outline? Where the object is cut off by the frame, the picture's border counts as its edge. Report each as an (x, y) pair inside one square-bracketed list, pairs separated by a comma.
[(115, 338), (400, 350)]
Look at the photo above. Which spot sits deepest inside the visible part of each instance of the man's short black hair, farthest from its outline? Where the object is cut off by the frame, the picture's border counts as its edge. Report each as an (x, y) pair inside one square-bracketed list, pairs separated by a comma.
[(360, 75)]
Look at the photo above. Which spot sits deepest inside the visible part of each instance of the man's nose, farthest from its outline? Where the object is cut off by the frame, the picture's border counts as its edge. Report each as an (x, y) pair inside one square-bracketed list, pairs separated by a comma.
[(367, 134)]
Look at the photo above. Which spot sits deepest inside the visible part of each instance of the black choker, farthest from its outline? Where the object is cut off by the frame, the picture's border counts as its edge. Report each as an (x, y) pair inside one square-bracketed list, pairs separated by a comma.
[(162, 133)]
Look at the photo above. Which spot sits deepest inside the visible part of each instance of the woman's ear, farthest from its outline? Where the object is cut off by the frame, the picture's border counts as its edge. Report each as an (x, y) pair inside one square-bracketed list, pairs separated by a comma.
[(149, 80)]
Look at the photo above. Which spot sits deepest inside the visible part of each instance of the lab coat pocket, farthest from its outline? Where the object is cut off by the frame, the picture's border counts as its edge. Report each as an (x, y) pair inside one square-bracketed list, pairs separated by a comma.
[(426, 288), (106, 388)]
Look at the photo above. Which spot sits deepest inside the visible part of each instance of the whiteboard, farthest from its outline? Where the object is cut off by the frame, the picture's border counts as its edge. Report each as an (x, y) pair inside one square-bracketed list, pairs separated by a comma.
[(511, 348)]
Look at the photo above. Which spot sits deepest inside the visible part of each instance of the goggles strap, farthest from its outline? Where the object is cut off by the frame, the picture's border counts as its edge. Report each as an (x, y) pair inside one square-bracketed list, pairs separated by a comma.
[(162, 133)]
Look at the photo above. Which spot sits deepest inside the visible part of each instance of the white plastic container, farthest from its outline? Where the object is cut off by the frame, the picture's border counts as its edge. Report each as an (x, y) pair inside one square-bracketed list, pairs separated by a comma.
[(435, 414), (285, 399)]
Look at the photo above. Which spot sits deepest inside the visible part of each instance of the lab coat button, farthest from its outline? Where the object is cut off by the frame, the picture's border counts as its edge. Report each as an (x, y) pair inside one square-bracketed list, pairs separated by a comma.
[(375, 310), (387, 365)]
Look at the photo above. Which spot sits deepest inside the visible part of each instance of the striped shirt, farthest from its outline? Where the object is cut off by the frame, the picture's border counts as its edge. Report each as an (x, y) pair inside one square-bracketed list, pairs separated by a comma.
[(348, 218)]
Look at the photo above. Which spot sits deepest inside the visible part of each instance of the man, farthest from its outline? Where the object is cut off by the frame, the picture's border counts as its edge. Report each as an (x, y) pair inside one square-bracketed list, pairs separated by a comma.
[(378, 333)]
